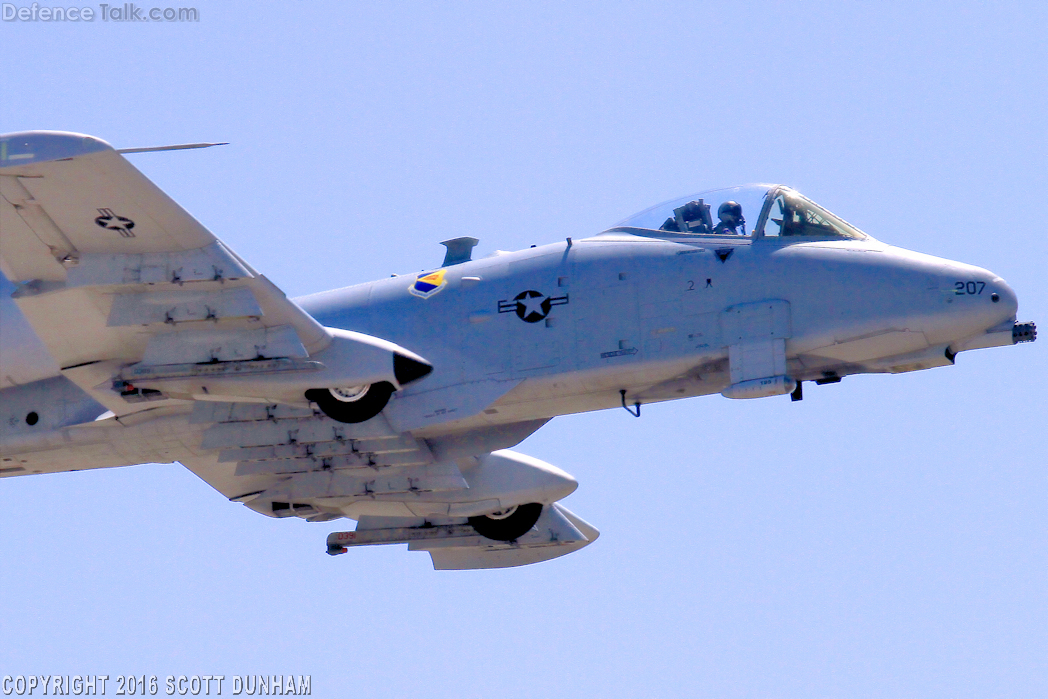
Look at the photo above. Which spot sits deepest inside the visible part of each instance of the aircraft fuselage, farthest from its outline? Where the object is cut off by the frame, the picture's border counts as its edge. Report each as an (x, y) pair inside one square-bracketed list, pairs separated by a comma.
[(566, 327), (134, 335), (576, 323)]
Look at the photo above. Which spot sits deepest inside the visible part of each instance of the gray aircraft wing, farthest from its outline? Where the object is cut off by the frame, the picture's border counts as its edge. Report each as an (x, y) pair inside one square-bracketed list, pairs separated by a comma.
[(203, 360), (138, 302), (149, 313), (112, 272)]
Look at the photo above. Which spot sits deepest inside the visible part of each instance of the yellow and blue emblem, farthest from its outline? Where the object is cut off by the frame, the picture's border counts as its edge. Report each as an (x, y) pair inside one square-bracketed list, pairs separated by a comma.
[(427, 284)]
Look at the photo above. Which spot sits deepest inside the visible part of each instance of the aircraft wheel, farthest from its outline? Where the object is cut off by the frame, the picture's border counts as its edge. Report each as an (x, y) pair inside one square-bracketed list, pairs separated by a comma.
[(509, 525), (352, 404)]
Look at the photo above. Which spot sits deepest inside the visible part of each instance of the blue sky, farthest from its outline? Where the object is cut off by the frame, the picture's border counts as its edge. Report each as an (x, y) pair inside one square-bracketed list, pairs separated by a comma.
[(885, 537)]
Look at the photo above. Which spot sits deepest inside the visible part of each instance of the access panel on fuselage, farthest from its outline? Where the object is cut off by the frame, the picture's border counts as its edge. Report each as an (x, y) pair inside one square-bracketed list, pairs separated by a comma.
[(679, 312), (645, 300), (607, 328), (534, 312)]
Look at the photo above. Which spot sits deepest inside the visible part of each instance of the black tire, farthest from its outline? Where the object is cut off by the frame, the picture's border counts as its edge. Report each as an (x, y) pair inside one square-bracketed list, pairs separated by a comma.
[(363, 409), (518, 523)]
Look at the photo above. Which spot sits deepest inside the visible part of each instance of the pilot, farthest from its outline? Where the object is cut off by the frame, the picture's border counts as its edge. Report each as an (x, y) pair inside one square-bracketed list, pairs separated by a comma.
[(730, 215)]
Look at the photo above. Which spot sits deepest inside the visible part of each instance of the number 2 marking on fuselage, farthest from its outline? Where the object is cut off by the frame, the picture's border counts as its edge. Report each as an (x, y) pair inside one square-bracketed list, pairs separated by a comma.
[(968, 288)]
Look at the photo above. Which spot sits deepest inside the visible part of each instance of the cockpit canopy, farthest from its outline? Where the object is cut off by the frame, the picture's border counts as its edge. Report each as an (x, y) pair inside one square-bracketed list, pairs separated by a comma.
[(758, 210)]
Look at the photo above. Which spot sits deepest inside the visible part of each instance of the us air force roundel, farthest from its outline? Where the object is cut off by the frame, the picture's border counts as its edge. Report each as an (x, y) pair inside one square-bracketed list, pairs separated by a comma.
[(532, 306), (112, 222), (427, 284)]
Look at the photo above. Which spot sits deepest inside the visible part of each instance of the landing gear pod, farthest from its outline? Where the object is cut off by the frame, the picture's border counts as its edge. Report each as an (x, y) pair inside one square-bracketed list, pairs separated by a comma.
[(359, 402), (352, 404), (508, 489), (556, 532), (509, 525)]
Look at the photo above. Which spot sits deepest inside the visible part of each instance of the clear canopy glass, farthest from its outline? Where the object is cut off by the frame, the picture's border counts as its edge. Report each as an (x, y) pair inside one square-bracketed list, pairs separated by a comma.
[(788, 214), (760, 210)]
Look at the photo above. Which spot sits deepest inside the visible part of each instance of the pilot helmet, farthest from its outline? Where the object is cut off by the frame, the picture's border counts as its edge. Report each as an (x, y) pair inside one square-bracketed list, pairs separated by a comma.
[(730, 212)]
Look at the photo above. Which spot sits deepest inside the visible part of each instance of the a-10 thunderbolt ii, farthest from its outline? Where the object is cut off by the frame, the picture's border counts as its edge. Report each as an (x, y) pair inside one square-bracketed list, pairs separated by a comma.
[(132, 335)]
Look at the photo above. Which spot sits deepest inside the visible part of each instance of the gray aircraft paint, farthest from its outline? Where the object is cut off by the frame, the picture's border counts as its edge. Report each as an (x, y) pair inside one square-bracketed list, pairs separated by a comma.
[(642, 310), (629, 316)]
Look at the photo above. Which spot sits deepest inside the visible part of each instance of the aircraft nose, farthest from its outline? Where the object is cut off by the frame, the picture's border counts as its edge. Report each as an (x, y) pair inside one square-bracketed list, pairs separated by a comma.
[(977, 300), (983, 314), (995, 302), (1004, 297)]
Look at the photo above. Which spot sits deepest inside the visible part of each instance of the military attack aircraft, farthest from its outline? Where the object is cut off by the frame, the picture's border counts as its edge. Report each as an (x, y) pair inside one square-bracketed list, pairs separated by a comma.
[(131, 334)]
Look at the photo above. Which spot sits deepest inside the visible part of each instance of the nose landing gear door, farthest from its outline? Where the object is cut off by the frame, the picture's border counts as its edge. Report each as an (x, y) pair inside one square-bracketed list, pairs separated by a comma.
[(756, 334)]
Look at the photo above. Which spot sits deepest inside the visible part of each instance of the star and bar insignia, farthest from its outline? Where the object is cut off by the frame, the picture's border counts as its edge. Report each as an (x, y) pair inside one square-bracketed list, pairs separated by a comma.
[(110, 221), (532, 306)]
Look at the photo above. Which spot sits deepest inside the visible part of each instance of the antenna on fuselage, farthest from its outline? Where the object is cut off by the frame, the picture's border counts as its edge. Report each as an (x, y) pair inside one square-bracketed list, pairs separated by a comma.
[(636, 405), (181, 146), (459, 250)]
